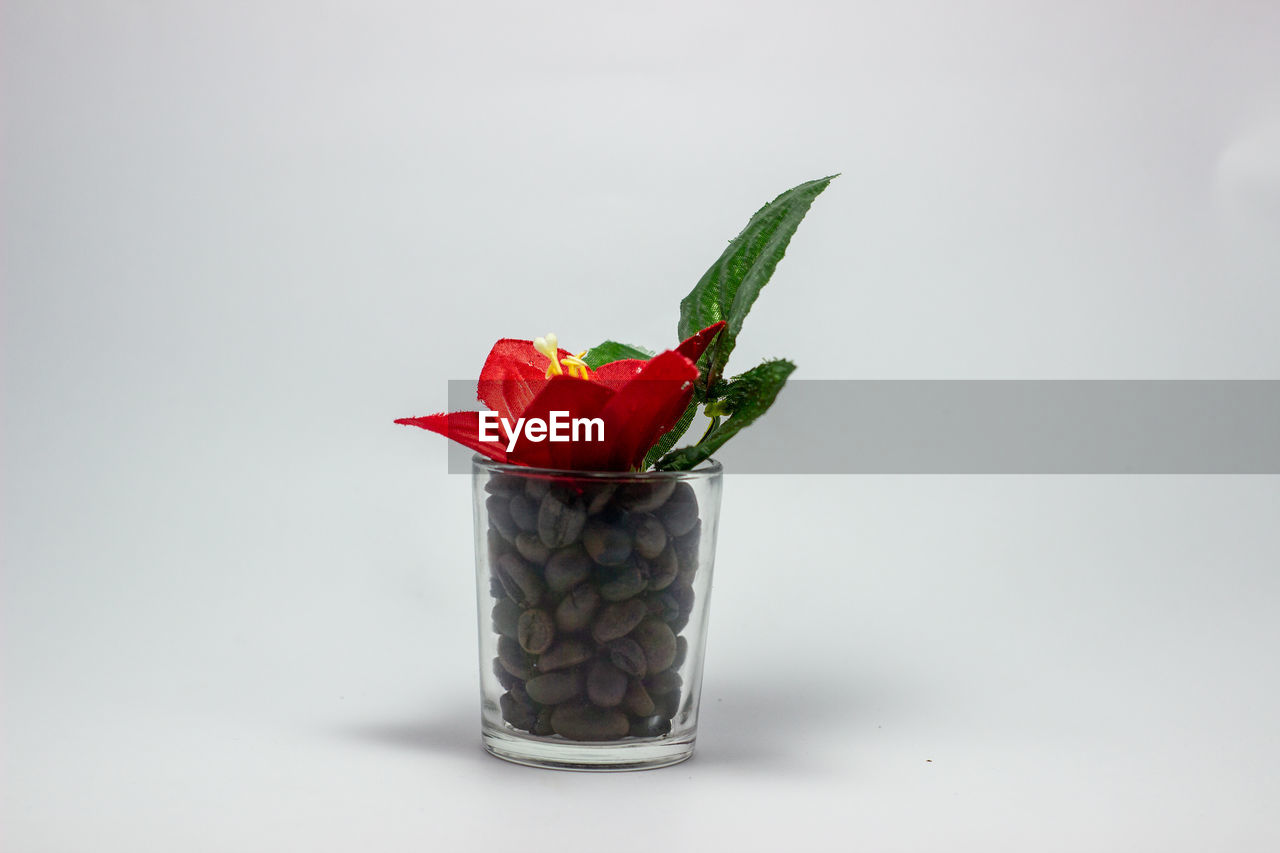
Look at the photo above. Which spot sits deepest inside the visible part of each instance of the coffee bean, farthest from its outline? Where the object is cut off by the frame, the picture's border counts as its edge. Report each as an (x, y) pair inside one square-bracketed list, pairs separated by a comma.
[(609, 544), (505, 614), (588, 723), (560, 518), (513, 658), (575, 612), (658, 643), (568, 567), (667, 705), (637, 700), (687, 552), (683, 595), (628, 582), (524, 512), (516, 714), (682, 651), (606, 684), (645, 496), (598, 496), (555, 687), (502, 484), (500, 516), (496, 589), (497, 545), (618, 619), (531, 548), (663, 569), (663, 605), (652, 726), (564, 653), (680, 513), (520, 580), (661, 683), (628, 656), (650, 537), (537, 487), (535, 631), (542, 725), (505, 678)]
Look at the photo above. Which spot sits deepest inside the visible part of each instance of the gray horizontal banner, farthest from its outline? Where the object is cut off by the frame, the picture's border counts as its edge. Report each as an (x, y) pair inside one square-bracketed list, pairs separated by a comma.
[(1000, 427)]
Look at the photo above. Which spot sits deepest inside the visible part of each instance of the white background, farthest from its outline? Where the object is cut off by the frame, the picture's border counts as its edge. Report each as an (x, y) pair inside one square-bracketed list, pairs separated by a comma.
[(241, 238)]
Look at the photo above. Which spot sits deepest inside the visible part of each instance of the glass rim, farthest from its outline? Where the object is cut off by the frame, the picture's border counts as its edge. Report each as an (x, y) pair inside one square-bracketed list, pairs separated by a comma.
[(706, 469)]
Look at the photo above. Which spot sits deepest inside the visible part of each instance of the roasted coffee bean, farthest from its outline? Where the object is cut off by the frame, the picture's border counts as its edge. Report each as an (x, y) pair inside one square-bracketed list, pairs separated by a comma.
[(500, 516), (679, 623), (606, 684), (521, 580), (618, 619), (535, 631), (684, 596), (505, 678), (651, 726), (576, 610), (537, 488), (531, 548), (682, 651), (513, 658), (586, 722), (687, 552), (609, 544), (663, 605), (663, 569), (497, 545), (667, 705), (637, 700), (518, 715), (658, 642), (502, 484), (542, 725), (645, 496), (627, 582), (555, 687), (560, 518), (661, 683), (496, 589), (505, 614), (650, 537), (564, 653), (524, 512), (628, 656), (567, 568), (680, 513), (598, 497)]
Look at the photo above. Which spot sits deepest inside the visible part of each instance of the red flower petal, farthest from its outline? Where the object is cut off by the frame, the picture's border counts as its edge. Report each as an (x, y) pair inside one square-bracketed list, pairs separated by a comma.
[(646, 407), (462, 427), (696, 344), (581, 398), (512, 376)]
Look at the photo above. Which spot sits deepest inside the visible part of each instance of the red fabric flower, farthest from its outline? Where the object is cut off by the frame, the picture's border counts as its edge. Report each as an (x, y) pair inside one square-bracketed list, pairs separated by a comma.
[(637, 401)]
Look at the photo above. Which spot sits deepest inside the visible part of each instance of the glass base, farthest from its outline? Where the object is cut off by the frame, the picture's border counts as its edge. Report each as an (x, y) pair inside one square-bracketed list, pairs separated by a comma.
[(559, 754)]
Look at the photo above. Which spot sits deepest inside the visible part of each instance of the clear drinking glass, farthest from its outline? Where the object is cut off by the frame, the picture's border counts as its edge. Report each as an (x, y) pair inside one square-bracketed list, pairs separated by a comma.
[(593, 591)]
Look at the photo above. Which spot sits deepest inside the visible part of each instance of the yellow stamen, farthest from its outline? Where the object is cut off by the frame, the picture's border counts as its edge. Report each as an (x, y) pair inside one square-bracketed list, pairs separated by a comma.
[(573, 364)]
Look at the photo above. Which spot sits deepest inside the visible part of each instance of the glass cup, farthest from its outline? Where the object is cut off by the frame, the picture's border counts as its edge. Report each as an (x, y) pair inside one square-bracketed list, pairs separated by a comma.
[(593, 591)]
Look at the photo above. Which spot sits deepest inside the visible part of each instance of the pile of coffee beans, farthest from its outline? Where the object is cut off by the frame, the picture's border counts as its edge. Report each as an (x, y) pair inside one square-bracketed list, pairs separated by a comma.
[(594, 584)]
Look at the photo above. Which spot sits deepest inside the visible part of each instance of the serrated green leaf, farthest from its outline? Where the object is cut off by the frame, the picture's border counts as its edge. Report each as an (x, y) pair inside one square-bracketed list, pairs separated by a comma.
[(614, 351), (671, 436), (746, 398), (729, 288)]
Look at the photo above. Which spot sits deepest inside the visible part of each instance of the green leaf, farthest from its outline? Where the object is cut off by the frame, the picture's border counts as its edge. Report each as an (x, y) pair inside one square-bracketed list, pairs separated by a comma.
[(729, 288), (671, 436), (614, 351), (746, 398)]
